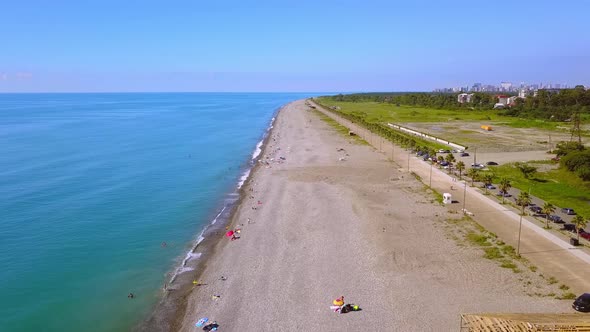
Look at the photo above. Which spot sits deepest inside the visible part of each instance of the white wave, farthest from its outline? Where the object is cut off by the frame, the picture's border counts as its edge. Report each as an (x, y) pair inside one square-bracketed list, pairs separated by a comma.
[(258, 149), (217, 216), (243, 178)]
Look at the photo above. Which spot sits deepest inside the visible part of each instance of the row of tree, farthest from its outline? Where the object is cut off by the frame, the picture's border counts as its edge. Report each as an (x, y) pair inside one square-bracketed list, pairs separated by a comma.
[(405, 140), (558, 105)]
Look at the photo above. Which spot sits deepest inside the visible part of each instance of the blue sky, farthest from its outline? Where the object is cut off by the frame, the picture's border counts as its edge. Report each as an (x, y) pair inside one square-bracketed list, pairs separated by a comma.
[(290, 45)]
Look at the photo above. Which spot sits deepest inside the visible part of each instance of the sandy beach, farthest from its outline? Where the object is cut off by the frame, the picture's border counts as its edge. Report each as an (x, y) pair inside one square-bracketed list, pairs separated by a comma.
[(329, 217)]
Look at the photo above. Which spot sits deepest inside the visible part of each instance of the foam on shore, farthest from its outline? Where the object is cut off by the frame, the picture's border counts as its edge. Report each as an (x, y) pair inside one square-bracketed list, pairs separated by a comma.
[(191, 259)]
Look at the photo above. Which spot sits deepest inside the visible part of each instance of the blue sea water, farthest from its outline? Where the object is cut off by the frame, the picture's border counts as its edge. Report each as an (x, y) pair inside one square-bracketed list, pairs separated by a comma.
[(91, 185)]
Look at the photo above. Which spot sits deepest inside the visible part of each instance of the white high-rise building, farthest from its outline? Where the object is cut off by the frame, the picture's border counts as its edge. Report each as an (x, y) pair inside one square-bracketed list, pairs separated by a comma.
[(506, 86)]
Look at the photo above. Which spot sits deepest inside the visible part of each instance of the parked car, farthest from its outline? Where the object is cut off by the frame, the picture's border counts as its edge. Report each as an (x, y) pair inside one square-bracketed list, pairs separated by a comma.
[(582, 303), (492, 163), (535, 209), (568, 211), (419, 153), (569, 227), (490, 186), (585, 235), (503, 193), (444, 163), (425, 157), (464, 154), (556, 219), (477, 165)]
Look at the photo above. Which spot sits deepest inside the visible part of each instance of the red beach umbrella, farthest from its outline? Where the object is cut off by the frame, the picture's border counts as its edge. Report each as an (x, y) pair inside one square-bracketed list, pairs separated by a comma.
[(229, 234)]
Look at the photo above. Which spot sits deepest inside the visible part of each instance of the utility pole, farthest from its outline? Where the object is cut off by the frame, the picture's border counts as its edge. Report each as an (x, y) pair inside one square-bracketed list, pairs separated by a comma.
[(464, 195)]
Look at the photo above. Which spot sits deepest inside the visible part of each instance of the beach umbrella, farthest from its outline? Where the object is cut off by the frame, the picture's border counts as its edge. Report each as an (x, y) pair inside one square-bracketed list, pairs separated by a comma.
[(229, 234)]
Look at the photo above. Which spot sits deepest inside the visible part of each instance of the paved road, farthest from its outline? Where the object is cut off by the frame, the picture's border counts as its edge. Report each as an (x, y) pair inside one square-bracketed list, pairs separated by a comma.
[(550, 253)]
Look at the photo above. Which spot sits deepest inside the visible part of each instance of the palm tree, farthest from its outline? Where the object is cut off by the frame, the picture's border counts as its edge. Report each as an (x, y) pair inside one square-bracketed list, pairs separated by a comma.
[(523, 200), (450, 158), (440, 159), (487, 179), (473, 173), (460, 167), (579, 222), (505, 185), (547, 209)]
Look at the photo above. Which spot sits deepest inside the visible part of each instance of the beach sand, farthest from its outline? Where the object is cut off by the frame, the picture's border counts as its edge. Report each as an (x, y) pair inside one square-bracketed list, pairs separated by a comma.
[(321, 227)]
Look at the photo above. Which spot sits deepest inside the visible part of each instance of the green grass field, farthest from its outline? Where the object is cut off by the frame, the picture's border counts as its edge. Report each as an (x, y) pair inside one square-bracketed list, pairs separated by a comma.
[(383, 112), (558, 187)]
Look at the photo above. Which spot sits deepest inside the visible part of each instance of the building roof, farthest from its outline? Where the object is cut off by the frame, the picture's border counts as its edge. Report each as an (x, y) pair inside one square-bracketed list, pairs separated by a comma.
[(490, 322)]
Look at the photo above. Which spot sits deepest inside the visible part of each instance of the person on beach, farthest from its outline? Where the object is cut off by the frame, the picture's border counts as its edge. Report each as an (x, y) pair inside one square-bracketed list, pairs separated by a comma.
[(211, 326)]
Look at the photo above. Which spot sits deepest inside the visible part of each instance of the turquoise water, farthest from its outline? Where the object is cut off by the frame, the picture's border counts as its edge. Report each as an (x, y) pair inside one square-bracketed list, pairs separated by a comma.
[(91, 185)]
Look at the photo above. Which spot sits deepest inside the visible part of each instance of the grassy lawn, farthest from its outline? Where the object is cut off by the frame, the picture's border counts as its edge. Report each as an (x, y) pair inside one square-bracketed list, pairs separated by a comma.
[(558, 186), (382, 112)]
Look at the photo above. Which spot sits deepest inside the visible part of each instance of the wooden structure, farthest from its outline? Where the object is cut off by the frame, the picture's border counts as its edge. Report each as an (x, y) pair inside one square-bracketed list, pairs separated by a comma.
[(486, 127), (574, 322)]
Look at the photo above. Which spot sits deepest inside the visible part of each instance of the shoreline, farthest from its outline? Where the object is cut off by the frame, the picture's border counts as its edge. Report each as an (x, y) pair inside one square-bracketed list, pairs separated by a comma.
[(168, 312)]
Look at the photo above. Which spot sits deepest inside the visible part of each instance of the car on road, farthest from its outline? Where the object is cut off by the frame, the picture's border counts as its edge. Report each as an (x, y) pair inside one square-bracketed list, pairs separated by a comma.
[(556, 219), (568, 211), (477, 166), (492, 163), (464, 154), (490, 186), (582, 303), (535, 209)]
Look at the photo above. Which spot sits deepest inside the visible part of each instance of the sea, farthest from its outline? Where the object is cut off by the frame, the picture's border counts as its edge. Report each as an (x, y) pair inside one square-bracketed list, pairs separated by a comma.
[(107, 194)]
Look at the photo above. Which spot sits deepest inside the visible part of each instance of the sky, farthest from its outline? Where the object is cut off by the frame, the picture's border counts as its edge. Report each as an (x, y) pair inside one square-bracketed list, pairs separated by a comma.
[(290, 46)]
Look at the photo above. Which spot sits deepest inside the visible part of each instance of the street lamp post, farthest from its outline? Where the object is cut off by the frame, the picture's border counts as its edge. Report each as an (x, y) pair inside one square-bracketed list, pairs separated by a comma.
[(431, 163), (519, 229), (464, 194)]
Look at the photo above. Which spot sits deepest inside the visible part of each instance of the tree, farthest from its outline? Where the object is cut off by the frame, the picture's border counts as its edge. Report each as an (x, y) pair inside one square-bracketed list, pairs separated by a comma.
[(487, 180), (547, 210), (473, 173), (440, 159), (450, 158), (505, 185), (460, 167), (523, 200), (526, 170), (579, 222)]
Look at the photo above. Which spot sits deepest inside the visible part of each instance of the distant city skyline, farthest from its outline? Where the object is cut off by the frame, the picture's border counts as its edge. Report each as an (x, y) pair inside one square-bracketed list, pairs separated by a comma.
[(506, 86), (255, 46)]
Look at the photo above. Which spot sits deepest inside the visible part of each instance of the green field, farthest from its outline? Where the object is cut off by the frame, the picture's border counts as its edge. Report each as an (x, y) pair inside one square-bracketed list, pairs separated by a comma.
[(558, 186), (384, 112)]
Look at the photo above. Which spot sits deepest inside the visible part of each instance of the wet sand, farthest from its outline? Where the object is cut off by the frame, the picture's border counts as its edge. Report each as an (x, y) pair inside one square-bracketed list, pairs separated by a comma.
[(326, 223)]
